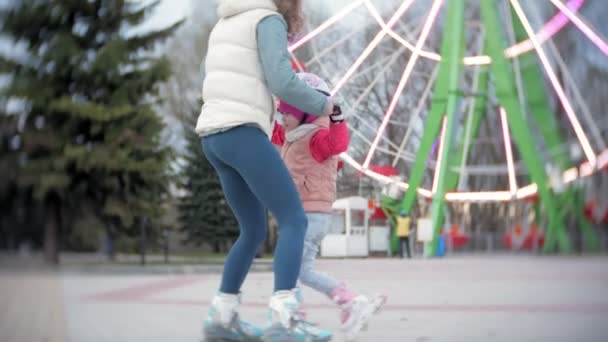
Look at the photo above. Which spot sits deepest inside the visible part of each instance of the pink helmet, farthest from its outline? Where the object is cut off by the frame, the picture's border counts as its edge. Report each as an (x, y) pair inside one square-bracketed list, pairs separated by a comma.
[(312, 81)]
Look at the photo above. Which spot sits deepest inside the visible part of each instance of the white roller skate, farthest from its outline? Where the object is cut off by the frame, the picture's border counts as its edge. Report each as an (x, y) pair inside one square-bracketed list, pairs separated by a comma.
[(286, 323), (224, 325), (357, 310)]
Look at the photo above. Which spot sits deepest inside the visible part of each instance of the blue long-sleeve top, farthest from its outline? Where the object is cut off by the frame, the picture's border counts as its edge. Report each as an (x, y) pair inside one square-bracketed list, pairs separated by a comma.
[(276, 64)]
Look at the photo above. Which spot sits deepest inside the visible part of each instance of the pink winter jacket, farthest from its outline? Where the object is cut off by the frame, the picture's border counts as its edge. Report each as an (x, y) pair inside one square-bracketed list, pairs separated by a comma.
[(310, 152)]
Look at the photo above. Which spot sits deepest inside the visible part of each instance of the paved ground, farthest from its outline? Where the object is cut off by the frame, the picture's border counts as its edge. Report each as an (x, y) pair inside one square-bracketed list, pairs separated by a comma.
[(458, 299), (32, 307)]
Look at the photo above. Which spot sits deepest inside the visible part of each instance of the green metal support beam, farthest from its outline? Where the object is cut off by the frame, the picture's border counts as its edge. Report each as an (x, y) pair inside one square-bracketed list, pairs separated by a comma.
[(538, 104), (453, 52), (590, 236), (431, 128), (480, 105), (507, 95), (443, 102), (540, 110)]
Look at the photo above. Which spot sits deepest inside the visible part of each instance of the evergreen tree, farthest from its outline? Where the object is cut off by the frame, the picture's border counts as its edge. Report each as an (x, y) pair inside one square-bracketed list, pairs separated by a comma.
[(204, 213), (90, 152), (8, 167)]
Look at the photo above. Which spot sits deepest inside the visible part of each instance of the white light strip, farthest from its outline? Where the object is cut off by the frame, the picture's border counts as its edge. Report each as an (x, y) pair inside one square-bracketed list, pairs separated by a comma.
[(372, 45), (341, 14), (427, 54), (527, 191), (578, 129), (483, 196), (508, 150), (428, 25), (439, 155), (550, 29), (594, 130), (570, 175), (493, 196), (376, 176), (416, 114)]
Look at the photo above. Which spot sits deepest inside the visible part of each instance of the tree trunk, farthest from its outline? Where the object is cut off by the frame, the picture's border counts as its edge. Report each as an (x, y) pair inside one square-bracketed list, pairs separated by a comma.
[(143, 241), (272, 232), (166, 245), (111, 252), (51, 230)]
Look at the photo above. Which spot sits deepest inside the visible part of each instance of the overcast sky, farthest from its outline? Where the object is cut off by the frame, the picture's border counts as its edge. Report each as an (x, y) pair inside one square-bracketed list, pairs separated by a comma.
[(170, 11)]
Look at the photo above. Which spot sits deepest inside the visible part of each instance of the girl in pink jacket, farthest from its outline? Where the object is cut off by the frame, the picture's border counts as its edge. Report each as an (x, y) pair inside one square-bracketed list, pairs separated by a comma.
[(310, 149)]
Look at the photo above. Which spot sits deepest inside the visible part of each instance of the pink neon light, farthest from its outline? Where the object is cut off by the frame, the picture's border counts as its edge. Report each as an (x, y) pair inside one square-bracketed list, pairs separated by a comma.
[(559, 21), (372, 45), (552, 27), (508, 150), (299, 65), (428, 25), (578, 129), (594, 37), (602, 160), (546, 32), (586, 169), (338, 16), (439, 155)]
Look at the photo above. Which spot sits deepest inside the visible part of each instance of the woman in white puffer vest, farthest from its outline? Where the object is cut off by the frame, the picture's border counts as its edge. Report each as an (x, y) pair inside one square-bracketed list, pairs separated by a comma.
[(246, 63)]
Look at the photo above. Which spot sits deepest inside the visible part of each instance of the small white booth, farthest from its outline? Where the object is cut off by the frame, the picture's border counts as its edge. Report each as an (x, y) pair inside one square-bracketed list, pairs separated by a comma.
[(348, 236), (379, 238)]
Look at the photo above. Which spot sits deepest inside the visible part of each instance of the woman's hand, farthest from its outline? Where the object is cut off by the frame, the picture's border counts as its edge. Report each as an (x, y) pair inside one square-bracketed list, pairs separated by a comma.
[(336, 115)]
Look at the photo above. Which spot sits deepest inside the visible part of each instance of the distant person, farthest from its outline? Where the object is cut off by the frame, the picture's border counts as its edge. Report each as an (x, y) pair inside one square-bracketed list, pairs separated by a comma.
[(403, 233)]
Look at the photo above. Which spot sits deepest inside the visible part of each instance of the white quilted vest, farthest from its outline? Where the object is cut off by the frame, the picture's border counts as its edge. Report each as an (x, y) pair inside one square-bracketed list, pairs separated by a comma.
[(234, 89)]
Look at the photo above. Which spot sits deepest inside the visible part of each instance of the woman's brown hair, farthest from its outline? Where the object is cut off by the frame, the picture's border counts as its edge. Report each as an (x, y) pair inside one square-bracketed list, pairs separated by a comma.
[(292, 12)]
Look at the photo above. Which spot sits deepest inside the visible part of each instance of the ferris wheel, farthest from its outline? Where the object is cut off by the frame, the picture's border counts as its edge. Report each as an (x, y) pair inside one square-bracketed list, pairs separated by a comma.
[(491, 64)]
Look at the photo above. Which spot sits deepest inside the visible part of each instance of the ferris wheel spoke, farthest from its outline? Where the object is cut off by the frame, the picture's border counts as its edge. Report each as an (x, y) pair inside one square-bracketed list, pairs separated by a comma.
[(380, 74), (471, 113), (439, 154), (508, 150), (428, 25), (329, 22), (576, 125), (372, 45), (595, 37), (317, 57), (396, 36), (575, 92), (370, 131), (417, 112)]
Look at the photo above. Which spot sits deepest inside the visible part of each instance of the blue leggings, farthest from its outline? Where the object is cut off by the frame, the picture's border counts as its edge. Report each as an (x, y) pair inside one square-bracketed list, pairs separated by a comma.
[(253, 178)]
